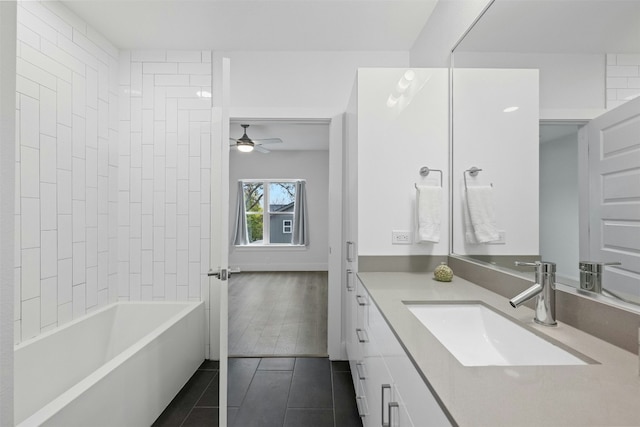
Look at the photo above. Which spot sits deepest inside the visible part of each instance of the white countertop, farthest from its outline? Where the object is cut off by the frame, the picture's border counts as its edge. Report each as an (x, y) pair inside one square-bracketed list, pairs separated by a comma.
[(606, 393)]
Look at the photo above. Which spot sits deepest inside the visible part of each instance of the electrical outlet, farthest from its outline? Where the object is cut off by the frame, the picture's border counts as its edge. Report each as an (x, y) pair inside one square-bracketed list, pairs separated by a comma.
[(502, 239), (401, 238)]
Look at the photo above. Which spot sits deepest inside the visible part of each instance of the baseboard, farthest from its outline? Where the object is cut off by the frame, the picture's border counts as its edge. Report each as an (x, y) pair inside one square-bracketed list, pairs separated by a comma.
[(283, 267)]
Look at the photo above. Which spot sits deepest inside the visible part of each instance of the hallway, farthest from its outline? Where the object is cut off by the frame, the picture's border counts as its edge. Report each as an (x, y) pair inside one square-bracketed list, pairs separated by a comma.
[(278, 314)]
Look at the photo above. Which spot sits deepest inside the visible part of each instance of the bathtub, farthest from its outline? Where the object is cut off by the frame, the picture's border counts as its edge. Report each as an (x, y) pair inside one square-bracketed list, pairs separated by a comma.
[(119, 366)]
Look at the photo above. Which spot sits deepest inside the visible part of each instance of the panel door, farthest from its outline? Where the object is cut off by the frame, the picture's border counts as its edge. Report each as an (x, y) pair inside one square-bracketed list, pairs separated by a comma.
[(614, 181)]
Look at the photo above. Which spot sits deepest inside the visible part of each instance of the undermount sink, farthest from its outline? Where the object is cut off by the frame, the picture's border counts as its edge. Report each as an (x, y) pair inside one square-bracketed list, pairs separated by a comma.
[(478, 336)]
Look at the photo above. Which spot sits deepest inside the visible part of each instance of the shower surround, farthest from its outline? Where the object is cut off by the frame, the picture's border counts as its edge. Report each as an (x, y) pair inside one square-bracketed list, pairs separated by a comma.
[(113, 167)]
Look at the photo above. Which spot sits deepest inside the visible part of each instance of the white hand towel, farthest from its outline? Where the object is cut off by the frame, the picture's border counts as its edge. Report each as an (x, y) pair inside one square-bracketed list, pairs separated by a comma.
[(429, 202), (481, 213), (469, 234)]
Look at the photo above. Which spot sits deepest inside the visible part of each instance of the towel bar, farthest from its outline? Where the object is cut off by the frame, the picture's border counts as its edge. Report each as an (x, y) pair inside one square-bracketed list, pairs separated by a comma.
[(473, 171), (424, 171)]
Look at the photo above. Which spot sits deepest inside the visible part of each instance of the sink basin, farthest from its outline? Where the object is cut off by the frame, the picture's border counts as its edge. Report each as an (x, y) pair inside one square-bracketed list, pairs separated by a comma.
[(478, 336)]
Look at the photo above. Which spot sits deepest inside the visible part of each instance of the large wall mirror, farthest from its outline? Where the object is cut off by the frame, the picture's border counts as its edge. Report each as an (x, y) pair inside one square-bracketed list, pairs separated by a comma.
[(539, 87)]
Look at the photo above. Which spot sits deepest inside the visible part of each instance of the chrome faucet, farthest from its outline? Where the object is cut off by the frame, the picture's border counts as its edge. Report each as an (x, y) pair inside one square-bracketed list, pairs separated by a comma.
[(591, 275), (544, 289)]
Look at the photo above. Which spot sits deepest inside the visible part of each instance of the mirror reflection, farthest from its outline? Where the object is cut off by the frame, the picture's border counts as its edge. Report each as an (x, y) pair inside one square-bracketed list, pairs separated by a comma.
[(547, 106)]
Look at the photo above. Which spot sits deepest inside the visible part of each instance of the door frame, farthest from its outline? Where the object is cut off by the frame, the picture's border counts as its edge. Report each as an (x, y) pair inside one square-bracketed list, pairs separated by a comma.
[(335, 342), (216, 293)]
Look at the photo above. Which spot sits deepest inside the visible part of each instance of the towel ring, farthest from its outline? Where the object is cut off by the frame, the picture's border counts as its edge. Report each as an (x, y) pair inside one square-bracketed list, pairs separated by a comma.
[(424, 171), (472, 171)]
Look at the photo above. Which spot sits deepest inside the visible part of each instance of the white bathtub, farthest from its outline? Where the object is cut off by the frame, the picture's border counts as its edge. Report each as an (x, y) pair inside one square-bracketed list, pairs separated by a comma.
[(119, 366)]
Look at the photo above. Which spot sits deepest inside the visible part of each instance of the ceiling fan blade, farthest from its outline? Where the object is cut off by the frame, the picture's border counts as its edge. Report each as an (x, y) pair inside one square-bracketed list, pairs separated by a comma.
[(261, 149), (268, 140)]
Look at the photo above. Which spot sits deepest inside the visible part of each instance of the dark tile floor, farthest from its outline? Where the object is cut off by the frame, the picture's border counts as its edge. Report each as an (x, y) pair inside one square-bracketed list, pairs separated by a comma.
[(268, 392)]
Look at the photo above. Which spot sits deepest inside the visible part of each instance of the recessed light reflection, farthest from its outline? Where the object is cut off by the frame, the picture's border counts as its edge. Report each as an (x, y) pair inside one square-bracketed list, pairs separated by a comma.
[(630, 97), (405, 81), (510, 109), (203, 94), (392, 101)]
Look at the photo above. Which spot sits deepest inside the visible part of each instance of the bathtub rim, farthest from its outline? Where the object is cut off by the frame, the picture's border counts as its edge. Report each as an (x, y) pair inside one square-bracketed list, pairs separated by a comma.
[(51, 408), (102, 309)]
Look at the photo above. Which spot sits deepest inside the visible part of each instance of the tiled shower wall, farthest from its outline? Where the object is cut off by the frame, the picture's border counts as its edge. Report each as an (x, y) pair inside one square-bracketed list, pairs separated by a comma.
[(67, 157), (623, 78), (164, 199), (113, 171)]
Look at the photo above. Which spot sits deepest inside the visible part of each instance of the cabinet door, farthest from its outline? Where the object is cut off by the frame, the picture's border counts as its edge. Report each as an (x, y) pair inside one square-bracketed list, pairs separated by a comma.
[(418, 403), (381, 390), (398, 413), (378, 381)]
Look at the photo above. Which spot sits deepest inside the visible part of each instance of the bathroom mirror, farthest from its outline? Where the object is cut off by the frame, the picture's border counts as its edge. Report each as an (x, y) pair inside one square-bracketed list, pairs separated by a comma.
[(526, 80)]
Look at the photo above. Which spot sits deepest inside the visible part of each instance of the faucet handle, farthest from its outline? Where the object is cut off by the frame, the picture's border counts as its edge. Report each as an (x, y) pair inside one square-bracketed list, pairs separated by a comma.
[(527, 264), (594, 266), (540, 266)]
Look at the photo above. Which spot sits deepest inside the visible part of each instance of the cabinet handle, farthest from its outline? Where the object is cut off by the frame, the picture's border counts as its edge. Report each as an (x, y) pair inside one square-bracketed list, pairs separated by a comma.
[(384, 387), (350, 251), (360, 339), (361, 374), (360, 408), (360, 298), (350, 280), (390, 410)]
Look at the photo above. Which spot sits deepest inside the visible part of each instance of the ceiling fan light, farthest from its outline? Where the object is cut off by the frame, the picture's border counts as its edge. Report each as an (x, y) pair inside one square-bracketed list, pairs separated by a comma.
[(244, 147)]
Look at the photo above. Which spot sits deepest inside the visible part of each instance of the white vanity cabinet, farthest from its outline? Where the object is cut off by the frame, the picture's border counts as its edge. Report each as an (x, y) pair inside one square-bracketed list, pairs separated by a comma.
[(384, 376), (355, 338)]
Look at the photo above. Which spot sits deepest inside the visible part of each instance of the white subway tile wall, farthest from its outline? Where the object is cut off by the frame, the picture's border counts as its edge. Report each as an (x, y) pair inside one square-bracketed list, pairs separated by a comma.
[(163, 205), (623, 78), (66, 96), (113, 168)]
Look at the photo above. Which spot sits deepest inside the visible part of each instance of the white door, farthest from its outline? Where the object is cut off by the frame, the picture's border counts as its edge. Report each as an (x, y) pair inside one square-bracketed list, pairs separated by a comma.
[(219, 264), (614, 206)]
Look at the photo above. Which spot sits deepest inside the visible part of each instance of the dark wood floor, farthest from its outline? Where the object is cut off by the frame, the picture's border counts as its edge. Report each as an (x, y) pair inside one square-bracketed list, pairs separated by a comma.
[(278, 314), (268, 392)]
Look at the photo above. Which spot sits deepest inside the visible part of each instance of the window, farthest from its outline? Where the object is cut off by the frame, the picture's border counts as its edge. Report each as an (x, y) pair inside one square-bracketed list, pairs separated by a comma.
[(269, 223)]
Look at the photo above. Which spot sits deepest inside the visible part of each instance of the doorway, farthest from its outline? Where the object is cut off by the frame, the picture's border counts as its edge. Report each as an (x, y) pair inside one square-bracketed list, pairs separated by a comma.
[(277, 314), (559, 197), (278, 304)]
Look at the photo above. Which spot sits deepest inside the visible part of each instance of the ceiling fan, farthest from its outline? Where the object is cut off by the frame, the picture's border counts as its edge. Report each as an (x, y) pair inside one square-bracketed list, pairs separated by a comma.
[(246, 144)]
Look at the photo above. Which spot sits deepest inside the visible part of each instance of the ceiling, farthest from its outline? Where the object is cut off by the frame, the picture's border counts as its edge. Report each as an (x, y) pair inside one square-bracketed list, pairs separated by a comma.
[(295, 134), (557, 26), (261, 25), (273, 25)]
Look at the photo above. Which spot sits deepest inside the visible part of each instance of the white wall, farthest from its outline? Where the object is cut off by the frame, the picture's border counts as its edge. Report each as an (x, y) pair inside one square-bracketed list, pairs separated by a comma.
[(67, 127), (310, 165), (393, 143), (7, 197), (567, 81), (505, 146), (164, 198), (559, 204), (446, 25), (623, 78), (299, 83)]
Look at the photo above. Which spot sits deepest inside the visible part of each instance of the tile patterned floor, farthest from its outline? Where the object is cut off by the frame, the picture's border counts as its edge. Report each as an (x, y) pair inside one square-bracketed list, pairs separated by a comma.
[(268, 392)]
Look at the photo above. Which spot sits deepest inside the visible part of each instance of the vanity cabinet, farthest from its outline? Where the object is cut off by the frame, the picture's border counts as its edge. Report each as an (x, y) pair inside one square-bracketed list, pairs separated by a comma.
[(389, 389)]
